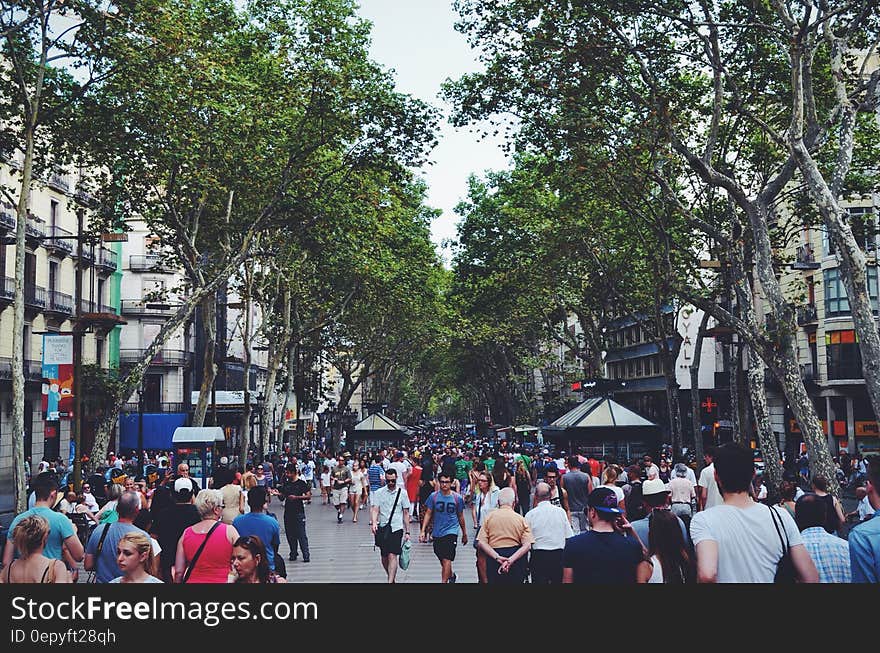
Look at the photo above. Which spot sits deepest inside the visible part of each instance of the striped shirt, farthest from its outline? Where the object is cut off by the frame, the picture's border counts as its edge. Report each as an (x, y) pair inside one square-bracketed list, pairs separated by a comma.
[(829, 553), (374, 474)]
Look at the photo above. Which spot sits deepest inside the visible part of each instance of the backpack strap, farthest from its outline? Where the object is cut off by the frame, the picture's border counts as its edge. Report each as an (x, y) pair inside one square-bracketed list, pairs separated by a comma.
[(101, 541)]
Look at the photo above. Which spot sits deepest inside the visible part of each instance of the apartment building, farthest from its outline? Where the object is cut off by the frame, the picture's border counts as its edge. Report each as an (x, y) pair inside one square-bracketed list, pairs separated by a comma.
[(55, 212)]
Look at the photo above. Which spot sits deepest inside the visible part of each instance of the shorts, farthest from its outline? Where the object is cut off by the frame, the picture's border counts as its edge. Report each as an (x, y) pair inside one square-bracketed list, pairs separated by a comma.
[(444, 547), (339, 496), (393, 545), (355, 492)]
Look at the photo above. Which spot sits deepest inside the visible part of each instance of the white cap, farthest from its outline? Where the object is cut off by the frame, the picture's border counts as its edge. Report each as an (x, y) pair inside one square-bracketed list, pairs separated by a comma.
[(224, 460), (182, 484)]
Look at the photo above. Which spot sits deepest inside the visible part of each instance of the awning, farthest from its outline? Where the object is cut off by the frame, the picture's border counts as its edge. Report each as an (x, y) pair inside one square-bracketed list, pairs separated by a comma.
[(378, 422), (599, 413), (225, 398)]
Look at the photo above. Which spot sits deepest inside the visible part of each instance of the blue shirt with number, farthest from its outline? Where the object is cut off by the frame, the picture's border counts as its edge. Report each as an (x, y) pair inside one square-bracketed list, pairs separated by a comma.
[(446, 511)]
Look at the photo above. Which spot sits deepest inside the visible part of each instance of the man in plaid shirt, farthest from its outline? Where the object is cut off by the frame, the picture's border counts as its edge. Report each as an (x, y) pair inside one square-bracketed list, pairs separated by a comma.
[(829, 552)]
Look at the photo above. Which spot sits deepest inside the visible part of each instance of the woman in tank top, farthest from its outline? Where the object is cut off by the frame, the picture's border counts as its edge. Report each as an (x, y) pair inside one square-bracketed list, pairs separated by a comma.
[(30, 537), (834, 513), (214, 562)]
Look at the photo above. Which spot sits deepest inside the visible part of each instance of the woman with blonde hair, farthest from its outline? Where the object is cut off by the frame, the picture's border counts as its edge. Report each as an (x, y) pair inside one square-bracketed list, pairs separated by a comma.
[(203, 556), (134, 557), (30, 537), (609, 480)]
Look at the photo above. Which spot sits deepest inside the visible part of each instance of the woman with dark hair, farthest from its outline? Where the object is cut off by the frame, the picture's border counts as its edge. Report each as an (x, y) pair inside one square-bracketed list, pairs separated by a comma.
[(502, 476), (834, 513), (250, 563), (787, 490), (523, 487), (668, 552)]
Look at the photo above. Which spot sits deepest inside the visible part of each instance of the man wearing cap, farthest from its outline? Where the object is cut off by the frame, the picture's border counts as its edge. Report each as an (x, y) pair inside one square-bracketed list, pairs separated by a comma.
[(550, 528), (604, 554), (170, 522), (655, 496)]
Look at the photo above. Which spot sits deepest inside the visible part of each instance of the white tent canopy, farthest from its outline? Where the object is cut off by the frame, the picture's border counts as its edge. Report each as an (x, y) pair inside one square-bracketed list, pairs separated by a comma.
[(599, 413), (378, 422)]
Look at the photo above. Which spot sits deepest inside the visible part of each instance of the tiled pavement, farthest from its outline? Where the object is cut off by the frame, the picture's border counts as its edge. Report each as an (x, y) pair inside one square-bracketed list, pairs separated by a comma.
[(344, 553)]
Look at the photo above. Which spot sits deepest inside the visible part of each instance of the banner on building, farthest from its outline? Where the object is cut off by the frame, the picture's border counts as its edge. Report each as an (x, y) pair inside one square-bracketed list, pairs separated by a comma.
[(57, 376)]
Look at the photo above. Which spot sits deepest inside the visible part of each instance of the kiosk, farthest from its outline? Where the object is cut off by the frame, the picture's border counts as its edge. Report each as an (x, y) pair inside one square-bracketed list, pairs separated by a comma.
[(198, 447)]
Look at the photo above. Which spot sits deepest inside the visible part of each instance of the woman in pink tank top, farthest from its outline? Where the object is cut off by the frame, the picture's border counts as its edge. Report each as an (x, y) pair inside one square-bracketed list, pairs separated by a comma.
[(214, 563)]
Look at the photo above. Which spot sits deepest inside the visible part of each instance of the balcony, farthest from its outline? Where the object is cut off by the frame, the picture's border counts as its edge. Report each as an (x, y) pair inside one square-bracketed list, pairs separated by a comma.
[(84, 197), (35, 230), (7, 290), (845, 372), (139, 307), (164, 358), (33, 370), (157, 407), (59, 182), (807, 314), (7, 220), (805, 259), (59, 240), (35, 297), (88, 306), (106, 259), (59, 305), (148, 263), (88, 256)]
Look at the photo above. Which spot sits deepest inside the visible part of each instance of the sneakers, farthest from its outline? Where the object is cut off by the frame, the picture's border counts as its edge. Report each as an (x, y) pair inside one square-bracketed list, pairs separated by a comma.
[(453, 578), (338, 517), (291, 557), (307, 559)]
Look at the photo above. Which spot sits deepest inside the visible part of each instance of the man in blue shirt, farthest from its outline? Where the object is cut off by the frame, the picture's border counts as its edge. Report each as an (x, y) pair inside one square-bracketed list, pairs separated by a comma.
[(258, 523), (864, 539), (62, 533), (447, 509)]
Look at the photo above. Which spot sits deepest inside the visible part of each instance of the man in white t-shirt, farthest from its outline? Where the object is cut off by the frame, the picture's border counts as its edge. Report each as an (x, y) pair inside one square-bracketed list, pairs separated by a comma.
[(708, 495), (402, 470), (742, 541)]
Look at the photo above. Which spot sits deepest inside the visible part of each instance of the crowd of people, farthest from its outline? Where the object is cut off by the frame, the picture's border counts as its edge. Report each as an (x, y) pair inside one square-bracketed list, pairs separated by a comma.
[(538, 515)]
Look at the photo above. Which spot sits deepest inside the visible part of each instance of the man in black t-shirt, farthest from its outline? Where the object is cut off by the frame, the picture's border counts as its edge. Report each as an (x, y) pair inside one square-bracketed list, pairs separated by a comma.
[(604, 555), (293, 492), (168, 525)]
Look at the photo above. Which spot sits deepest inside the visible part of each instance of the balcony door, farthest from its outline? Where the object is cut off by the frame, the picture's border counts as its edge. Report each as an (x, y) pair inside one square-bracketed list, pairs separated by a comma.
[(153, 393)]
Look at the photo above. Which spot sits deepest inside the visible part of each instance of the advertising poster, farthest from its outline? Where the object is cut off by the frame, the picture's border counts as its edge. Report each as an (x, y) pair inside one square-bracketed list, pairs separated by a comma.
[(57, 376)]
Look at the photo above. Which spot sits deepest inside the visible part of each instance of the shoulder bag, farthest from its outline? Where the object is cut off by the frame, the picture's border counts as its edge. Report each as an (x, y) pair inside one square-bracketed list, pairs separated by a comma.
[(383, 533), (785, 571), (201, 548)]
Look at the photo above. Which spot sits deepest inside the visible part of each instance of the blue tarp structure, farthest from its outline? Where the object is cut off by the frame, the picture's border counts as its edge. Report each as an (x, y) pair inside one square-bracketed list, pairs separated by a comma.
[(158, 429)]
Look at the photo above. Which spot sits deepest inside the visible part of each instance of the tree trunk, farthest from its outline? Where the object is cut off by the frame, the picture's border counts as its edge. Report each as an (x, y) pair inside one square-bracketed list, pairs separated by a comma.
[(733, 380), (669, 357), (18, 380), (277, 349), (696, 422), (246, 343), (209, 365), (135, 376), (766, 437), (278, 427)]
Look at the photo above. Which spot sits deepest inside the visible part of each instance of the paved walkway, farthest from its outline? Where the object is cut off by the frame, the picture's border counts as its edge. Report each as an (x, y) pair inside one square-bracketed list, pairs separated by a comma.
[(344, 553)]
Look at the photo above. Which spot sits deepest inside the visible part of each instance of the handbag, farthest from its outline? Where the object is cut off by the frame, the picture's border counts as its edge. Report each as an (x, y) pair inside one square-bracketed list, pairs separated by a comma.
[(383, 533), (785, 571), (405, 554)]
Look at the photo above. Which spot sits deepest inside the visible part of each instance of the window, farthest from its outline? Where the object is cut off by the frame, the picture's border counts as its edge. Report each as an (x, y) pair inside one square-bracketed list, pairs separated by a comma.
[(836, 301), (53, 275), (864, 227), (843, 355), (53, 213), (99, 352)]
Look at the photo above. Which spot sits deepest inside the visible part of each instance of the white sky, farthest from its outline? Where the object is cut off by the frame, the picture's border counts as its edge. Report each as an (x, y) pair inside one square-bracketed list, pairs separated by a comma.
[(417, 39)]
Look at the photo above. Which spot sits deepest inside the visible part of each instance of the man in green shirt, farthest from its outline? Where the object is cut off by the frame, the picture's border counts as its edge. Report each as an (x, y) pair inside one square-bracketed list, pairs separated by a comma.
[(462, 466)]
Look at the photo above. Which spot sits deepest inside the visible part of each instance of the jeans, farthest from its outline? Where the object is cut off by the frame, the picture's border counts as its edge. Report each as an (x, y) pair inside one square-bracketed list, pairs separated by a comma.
[(295, 531), (682, 510)]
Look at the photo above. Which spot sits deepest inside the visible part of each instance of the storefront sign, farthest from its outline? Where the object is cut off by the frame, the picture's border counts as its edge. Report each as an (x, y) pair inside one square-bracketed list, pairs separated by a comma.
[(57, 400), (867, 429)]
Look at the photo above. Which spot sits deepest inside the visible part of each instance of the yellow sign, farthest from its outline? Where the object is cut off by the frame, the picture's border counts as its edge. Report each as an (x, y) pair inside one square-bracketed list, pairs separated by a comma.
[(869, 429)]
